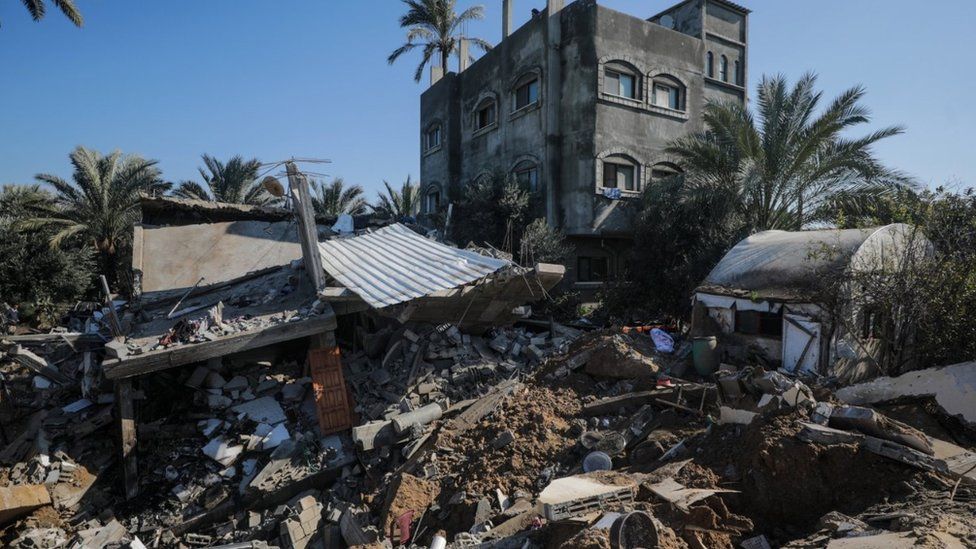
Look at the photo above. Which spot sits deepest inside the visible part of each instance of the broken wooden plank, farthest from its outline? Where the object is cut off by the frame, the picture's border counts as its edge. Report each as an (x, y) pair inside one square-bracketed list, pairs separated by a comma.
[(37, 364), (470, 417), (635, 399), (127, 437), (163, 359), (19, 447)]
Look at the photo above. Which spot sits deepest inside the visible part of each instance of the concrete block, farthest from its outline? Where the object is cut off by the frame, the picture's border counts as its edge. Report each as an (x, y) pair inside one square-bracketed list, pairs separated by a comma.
[(19, 500), (262, 410)]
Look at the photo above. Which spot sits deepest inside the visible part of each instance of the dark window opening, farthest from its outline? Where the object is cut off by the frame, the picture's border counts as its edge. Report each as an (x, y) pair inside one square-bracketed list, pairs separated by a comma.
[(433, 201), (710, 64), (433, 137), (871, 324), (759, 323), (527, 94), (723, 69), (528, 177), (591, 269), (486, 115), (738, 72), (619, 176)]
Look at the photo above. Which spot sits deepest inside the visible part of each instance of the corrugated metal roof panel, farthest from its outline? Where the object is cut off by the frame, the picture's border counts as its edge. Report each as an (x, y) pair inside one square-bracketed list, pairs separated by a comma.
[(394, 264)]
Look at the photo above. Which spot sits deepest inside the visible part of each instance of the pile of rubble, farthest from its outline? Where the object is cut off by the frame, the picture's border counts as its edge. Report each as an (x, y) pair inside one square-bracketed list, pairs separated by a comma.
[(533, 436)]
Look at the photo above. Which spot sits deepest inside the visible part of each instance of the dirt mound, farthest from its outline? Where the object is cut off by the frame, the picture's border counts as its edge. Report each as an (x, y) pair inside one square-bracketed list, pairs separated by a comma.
[(787, 485), (539, 420)]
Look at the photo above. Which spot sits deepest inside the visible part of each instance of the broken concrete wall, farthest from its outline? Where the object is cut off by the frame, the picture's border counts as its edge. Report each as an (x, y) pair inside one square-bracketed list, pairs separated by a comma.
[(952, 387), (173, 259)]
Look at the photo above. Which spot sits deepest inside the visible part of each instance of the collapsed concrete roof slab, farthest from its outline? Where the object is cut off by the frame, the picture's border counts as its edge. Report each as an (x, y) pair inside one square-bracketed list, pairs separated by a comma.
[(953, 387)]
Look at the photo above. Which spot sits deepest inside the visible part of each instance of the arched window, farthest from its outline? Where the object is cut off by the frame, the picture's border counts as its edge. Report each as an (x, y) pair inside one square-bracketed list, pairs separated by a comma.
[(621, 172), (710, 64), (486, 114), (664, 170), (526, 92), (432, 137), (723, 69), (621, 80), (738, 72), (432, 199), (668, 92), (527, 175)]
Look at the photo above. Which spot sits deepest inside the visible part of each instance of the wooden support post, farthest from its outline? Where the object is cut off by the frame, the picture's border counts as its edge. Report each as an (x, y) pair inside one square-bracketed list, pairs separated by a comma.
[(307, 231), (114, 323), (308, 234), (127, 436)]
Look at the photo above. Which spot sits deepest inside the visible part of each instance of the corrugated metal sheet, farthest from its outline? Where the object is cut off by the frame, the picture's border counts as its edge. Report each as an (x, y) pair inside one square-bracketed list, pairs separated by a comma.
[(394, 264)]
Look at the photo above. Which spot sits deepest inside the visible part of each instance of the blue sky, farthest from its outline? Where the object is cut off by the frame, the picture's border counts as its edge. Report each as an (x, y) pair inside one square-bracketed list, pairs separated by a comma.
[(271, 79)]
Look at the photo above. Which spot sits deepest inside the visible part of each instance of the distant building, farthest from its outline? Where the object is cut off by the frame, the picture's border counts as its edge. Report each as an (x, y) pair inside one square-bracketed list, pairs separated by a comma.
[(578, 104)]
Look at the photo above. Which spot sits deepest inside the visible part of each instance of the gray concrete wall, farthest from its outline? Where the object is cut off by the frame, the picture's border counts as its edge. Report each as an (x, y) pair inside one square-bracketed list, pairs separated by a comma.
[(439, 105), (174, 258), (592, 125), (517, 135), (637, 130)]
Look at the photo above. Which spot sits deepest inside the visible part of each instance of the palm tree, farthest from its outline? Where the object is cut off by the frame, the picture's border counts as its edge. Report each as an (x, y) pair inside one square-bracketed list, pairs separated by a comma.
[(334, 199), (101, 203), (405, 203), (784, 167), (434, 26), (37, 10), (234, 182)]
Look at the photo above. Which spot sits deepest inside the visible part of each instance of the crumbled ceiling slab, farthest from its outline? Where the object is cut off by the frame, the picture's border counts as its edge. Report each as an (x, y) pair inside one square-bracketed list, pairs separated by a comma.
[(953, 387)]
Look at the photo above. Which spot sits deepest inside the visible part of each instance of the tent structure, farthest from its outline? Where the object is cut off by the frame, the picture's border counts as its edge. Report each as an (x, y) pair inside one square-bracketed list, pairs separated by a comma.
[(770, 292)]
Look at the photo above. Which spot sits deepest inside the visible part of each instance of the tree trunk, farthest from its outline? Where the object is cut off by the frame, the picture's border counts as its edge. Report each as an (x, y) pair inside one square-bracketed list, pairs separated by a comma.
[(445, 56)]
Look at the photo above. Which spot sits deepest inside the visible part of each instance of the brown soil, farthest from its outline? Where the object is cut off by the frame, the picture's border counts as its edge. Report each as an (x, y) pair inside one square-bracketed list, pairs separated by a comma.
[(588, 539), (412, 494), (787, 484), (538, 417)]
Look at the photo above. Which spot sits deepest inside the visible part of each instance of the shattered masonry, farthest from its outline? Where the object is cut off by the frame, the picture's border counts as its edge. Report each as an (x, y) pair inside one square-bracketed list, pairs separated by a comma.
[(261, 411)]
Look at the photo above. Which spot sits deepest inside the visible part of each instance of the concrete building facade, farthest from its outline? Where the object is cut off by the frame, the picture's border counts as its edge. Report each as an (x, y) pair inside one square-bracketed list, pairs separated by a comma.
[(578, 104)]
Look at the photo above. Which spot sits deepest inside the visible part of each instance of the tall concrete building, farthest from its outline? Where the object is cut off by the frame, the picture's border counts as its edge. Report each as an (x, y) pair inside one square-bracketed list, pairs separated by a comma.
[(578, 104)]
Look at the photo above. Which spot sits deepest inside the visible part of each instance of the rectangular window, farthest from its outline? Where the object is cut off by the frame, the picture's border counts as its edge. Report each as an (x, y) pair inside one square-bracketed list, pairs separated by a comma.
[(759, 323), (528, 178), (618, 176), (433, 137), (486, 116), (527, 94), (667, 96), (618, 83), (591, 269)]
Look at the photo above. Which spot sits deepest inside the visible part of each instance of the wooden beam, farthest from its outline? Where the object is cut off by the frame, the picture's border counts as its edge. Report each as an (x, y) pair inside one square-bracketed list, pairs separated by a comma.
[(307, 231), (127, 436), (114, 323), (163, 359)]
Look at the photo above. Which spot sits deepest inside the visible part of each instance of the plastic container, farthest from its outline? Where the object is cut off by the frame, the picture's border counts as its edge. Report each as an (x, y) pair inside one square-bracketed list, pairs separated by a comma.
[(705, 355), (597, 461)]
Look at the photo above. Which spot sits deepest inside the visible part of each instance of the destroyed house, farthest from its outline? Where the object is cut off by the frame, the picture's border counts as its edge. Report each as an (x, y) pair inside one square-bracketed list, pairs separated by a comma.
[(771, 292), (216, 280)]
